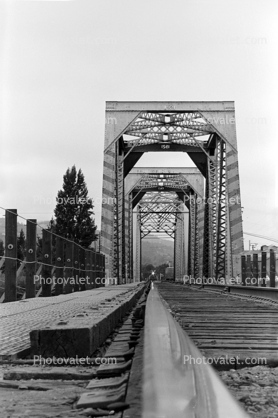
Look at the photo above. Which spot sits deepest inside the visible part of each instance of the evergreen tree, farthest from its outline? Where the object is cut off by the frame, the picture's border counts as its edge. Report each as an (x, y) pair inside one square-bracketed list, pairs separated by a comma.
[(74, 210), (161, 269), (50, 227), (147, 269)]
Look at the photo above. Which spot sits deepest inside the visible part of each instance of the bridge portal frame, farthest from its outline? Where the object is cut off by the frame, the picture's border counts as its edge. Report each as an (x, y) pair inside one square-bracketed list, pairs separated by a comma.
[(192, 185), (216, 158)]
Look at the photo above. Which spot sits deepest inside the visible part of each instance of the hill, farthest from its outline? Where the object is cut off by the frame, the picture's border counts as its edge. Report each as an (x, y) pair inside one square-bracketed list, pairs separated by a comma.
[(157, 251), (20, 226)]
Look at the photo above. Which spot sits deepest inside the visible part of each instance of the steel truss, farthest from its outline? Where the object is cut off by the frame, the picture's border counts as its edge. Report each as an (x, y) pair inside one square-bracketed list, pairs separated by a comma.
[(215, 233), (163, 212), (164, 128), (222, 210), (158, 213)]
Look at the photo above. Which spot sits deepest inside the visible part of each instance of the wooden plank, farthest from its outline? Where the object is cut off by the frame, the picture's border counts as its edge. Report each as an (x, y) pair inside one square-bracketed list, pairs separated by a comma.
[(243, 270), (93, 260), (248, 268), (255, 269), (68, 266), (97, 267), (82, 270), (88, 269), (76, 267), (221, 325), (59, 273), (10, 254), (272, 268), (263, 267), (47, 261), (31, 257)]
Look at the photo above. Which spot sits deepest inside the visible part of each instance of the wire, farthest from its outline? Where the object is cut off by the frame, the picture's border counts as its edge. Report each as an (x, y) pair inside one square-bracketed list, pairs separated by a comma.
[(261, 236), (48, 265), (44, 229)]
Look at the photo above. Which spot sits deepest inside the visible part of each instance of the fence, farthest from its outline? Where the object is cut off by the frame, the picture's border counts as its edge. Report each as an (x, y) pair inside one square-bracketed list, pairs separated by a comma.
[(259, 269), (62, 267)]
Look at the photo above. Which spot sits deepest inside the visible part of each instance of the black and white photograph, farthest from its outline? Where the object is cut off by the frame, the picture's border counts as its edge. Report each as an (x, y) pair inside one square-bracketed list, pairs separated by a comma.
[(138, 209)]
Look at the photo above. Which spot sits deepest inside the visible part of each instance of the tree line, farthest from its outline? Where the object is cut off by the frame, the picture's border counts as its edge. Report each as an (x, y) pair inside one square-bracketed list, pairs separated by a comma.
[(73, 216)]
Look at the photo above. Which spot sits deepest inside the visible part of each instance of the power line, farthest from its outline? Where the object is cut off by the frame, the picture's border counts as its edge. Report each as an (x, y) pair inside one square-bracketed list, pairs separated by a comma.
[(42, 228), (261, 236)]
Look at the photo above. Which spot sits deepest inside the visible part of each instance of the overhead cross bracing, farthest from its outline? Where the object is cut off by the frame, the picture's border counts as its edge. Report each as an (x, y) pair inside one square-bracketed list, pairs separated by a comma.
[(163, 182), (158, 213), (206, 132), (165, 128)]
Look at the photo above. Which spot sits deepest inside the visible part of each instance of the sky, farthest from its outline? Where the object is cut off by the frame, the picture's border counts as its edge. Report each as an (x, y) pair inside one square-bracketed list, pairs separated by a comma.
[(61, 60)]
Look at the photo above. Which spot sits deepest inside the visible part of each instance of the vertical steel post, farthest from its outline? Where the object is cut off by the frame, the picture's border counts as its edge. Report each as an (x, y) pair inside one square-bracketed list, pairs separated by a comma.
[(221, 225), (192, 233)]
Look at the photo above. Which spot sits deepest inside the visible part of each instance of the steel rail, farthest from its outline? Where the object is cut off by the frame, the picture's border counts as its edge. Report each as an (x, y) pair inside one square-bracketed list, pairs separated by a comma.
[(174, 387), (268, 293)]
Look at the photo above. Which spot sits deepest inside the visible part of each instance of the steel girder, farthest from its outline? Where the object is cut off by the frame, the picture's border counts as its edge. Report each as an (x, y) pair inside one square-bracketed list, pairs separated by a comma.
[(217, 250), (137, 248), (163, 212), (180, 267), (160, 207), (193, 248), (206, 131)]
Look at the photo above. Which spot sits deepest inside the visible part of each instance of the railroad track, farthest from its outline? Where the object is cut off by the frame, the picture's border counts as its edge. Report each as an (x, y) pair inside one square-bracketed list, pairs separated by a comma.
[(172, 373), (74, 388), (234, 326)]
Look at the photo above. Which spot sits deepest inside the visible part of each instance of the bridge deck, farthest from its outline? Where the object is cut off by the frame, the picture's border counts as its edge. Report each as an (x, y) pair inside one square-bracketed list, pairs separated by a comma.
[(17, 319), (237, 329)]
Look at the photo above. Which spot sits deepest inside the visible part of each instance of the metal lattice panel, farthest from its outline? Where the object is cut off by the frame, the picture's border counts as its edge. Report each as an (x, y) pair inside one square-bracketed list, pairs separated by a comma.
[(222, 212), (163, 181), (180, 128), (158, 213)]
